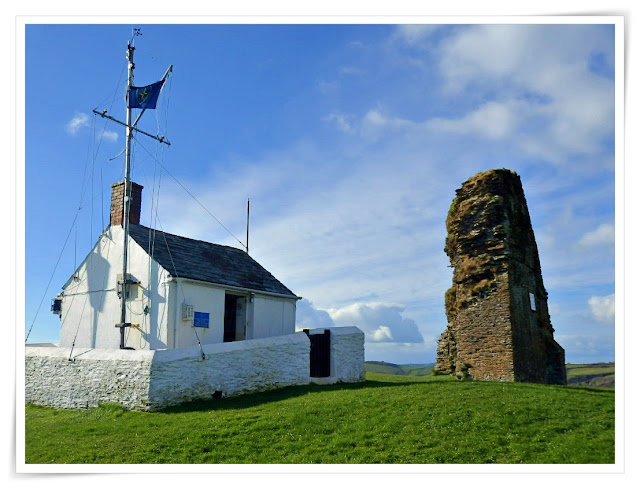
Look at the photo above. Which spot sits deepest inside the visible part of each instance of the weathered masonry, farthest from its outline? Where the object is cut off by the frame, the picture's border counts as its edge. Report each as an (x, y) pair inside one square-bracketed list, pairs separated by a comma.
[(498, 321)]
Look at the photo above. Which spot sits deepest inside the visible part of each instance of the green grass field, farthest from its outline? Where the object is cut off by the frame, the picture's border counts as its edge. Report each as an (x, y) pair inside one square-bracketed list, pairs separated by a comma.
[(387, 419)]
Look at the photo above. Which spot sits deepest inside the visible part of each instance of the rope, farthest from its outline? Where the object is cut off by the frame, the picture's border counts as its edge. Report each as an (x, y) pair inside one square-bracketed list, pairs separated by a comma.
[(175, 271), (103, 290), (82, 196), (53, 273), (193, 197), (86, 297)]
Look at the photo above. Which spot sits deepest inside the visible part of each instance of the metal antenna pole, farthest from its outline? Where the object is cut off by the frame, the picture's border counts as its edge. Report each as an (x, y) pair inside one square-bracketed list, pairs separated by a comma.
[(127, 202), (247, 226)]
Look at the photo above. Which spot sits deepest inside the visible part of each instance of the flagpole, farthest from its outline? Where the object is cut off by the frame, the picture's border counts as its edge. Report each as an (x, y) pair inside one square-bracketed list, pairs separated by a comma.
[(127, 201)]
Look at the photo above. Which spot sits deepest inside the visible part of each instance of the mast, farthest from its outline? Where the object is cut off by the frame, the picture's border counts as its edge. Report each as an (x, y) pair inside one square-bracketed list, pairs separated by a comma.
[(125, 280), (127, 203)]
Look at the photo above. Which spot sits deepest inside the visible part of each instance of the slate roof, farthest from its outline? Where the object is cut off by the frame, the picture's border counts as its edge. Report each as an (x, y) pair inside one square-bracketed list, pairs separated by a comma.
[(207, 262)]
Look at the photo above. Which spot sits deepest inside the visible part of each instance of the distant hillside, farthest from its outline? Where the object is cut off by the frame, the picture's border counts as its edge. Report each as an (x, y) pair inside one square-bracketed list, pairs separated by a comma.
[(590, 375), (383, 368), (394, 369)]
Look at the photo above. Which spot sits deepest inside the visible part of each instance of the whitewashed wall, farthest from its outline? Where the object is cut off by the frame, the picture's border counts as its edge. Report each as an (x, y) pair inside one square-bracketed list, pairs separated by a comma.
[(205, 299), (154, 379), (94, 376), (229, 368), (91, 307), (273, 316), (346, 355)]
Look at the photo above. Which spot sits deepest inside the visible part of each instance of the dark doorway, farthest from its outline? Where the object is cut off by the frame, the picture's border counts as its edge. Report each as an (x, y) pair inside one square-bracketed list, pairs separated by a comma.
[(230, 307), (320, 354)]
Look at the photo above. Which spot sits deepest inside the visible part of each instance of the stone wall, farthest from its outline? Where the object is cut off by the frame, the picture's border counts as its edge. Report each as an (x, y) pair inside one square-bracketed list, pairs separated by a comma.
[(92, 377), (346, 355), (149, 380), (498, 320), (230, 369)]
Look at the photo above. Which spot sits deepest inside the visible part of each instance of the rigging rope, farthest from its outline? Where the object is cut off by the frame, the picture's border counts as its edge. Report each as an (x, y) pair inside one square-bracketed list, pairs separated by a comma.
[(82, 196), (193, 197), (52, 274), (178, 285), (102, 289)]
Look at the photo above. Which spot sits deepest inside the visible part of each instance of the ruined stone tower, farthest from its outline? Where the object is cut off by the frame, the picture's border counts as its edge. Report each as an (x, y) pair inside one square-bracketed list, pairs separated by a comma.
[(498, 321)]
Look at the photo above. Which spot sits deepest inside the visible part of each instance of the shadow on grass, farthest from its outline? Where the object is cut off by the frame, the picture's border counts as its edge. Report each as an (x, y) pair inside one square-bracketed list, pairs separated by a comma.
[(255, 399)]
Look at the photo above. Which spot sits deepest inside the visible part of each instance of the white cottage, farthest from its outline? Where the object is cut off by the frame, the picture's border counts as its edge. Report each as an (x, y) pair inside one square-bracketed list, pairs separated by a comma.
[(203, 321), (182, 291), (198, 320)]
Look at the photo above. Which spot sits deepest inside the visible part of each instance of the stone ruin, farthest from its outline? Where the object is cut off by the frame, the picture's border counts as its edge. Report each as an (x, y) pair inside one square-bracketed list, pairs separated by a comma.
[(499, 327)]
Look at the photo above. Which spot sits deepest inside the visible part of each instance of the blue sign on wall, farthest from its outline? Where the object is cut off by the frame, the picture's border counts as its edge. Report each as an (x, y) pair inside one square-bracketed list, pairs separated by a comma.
[(201, 319)]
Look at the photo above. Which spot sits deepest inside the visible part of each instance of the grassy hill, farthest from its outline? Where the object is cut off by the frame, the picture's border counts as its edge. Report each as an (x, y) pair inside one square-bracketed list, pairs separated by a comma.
[(388, 419), (394, 369), (592, 374), (588, 375)]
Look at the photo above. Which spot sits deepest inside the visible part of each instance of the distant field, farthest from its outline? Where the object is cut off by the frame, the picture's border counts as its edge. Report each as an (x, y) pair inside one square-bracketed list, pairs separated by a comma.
[(389, 419), (592, 375), (394, 369), (588, 375)]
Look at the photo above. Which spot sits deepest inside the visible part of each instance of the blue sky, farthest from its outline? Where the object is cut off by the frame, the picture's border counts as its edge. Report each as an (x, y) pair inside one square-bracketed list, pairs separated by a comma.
[(350, 141)]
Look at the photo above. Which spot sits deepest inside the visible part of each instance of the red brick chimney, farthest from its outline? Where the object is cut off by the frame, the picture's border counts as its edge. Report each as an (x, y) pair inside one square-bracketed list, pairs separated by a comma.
[(117, 203)]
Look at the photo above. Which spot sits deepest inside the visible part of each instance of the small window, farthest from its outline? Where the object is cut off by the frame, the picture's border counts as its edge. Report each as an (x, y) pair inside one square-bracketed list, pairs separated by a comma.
[(56, 306), (532, 301)]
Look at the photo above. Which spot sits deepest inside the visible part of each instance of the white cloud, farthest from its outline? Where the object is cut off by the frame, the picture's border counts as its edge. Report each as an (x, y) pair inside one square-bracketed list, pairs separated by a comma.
[(374, 124), (110, 136), (568, 108), (308, 317), (492, 120), (587, 348), (79, 121), (383, 333), (380, 322), (603, 308), (341, 121), (401, 353), (603, 234), (415, 33)]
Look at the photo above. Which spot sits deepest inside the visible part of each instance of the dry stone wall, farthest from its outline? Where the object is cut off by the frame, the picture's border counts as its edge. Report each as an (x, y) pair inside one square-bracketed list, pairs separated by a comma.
[(498, 320)]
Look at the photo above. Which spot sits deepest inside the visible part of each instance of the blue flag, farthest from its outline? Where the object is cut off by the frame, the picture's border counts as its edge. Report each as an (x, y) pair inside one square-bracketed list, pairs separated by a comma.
[(144, 97)]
